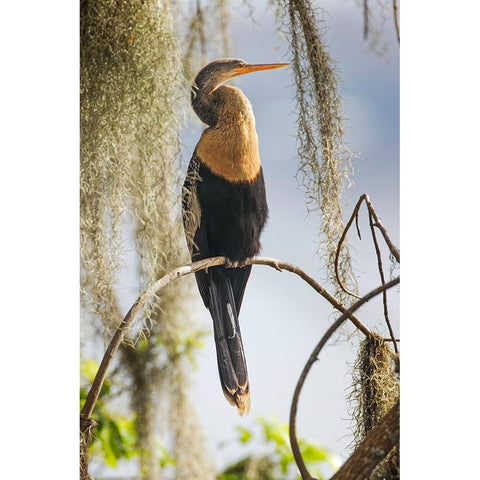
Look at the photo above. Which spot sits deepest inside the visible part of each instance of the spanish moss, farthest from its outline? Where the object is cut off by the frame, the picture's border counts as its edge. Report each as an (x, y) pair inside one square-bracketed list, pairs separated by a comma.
[(325, 162), (376, 388), (208, 19), (131, 86), (129, 142), (380, 23)]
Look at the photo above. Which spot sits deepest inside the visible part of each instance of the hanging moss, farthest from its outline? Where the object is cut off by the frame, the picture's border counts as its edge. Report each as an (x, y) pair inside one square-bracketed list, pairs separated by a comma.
[(130, 185), (189, 442), (379, 24), (325, 163), (376, 389), (129, 142), (205, 34)]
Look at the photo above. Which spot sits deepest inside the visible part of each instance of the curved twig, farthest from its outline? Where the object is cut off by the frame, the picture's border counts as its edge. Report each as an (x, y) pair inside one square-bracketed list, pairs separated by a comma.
[(393, 249), (342, 239), (313, 357), (279, 265), (372, 214), (382, 278), (135, 309), (150, 292)]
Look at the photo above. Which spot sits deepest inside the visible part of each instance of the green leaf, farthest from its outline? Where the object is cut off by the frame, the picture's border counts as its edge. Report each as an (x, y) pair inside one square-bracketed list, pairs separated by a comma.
[(88, 369), (165, 458), (245, 434), (275, 432), (313, 453), (108, 453), (116, 440), (280, 460)]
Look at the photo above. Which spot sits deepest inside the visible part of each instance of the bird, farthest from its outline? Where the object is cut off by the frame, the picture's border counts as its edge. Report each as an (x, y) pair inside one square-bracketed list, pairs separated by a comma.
[(225, 210)]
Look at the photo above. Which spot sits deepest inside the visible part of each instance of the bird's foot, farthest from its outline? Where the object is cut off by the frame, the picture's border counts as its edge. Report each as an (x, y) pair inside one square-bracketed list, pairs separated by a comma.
[(231, 263), (235, 263)]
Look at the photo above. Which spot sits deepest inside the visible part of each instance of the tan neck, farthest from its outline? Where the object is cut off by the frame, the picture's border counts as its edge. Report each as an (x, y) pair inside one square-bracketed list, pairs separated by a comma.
[(230, 148)]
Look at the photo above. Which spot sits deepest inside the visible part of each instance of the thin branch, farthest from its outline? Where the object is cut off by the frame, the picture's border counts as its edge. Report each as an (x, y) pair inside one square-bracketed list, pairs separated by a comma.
[(312, 359), (279, 265), (153, 289), (382, 278), (135, 309), (393, 249), (342, 239), (358, 227)]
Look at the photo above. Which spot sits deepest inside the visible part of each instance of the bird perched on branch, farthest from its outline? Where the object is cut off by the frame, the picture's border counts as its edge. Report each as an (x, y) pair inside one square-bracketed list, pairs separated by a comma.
[(225, 209)]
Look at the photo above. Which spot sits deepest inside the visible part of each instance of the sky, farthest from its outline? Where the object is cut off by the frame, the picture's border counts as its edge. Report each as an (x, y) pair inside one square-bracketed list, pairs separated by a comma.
[(282, 318)]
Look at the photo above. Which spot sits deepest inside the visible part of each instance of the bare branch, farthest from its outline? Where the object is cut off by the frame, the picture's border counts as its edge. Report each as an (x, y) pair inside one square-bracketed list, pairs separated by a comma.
[(372, 213), (135, 309), (382, 278), (154, 288), (313, 357), (395, 251), (278, 264), (342, 239), (150, 292)]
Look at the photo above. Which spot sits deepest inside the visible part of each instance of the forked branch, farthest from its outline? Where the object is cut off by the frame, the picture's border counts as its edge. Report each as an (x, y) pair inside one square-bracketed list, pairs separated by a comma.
[(377, 223), (374, 222)]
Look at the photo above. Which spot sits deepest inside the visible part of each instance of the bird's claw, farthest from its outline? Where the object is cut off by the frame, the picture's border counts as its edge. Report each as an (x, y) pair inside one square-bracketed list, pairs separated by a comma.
[(235, 263)]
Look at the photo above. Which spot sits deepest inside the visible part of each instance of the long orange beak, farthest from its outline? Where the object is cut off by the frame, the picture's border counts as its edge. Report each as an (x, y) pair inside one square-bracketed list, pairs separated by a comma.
[(252, 67)]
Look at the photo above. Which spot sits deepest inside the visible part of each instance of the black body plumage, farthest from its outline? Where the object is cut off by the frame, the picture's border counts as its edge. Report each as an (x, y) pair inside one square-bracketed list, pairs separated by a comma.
[(235, 212), (232, 216)]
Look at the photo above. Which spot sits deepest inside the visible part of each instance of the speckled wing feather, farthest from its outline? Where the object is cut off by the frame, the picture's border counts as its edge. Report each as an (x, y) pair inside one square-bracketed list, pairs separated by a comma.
[(195, 230), (190, 206)]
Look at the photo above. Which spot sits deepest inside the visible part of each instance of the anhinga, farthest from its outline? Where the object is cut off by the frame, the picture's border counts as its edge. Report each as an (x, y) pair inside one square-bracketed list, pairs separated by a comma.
[(225, 209)]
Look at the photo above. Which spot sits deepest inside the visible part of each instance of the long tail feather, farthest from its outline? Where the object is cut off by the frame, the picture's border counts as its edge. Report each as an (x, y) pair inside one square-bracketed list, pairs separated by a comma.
[(232, 366)]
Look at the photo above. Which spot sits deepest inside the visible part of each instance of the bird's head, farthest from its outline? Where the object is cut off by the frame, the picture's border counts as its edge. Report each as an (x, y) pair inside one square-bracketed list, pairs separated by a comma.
[(213, 75), (223, 69)]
